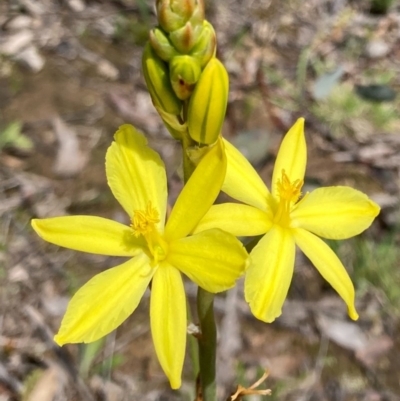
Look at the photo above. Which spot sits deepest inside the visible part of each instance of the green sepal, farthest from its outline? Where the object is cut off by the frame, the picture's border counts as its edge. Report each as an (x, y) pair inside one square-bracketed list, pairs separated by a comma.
[(173, 14), (184, 71), (162, 45), (206, 46), (156, 75), (184, 38), (198, 14)]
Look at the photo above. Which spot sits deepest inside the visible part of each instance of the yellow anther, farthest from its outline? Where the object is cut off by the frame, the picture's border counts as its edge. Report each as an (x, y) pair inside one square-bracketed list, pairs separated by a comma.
[(289, 193), (287, 190), (143, 221)]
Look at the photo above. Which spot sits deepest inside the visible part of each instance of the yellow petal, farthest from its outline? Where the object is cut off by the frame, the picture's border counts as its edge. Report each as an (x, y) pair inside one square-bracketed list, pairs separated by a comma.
[(168, 321), (213, 259), (105, 301), (197, 195), (329, 265), (270, 273), (242, 182), (292, 156), (335, 212), (239, 220), (136, 174), (89, 234)]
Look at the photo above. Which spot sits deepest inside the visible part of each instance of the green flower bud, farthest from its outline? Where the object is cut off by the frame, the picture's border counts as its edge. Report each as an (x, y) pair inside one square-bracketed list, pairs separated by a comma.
[(156, 75), (173, 14), (184, 38), (206, 45), (198, 15), (207, 104), (162, 45), (184, 72)]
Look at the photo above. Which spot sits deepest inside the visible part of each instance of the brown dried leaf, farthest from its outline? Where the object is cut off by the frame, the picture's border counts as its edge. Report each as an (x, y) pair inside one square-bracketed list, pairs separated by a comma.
[(252, 390)]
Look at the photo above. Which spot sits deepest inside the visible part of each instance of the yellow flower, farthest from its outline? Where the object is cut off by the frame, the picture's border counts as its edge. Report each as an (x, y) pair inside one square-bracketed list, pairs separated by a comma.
[(159, 252), (287, 219)]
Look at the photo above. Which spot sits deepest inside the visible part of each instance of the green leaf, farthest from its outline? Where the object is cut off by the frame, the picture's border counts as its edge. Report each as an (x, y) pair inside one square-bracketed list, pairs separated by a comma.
[(89, 353), (376, 93), (11, 136)]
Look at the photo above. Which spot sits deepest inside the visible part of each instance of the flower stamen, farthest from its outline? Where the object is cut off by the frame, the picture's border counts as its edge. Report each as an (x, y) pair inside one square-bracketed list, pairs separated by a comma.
[(289, 193), (144, 221)]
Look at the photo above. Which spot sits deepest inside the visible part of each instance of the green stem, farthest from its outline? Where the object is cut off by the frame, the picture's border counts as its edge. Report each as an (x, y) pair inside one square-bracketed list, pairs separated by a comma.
[(187, 142), (205, 310), (188, 165), (193, 346), (207, 344)]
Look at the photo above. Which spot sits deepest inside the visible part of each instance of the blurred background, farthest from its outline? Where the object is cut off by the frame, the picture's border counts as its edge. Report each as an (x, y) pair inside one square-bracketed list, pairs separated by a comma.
[(70, 75)]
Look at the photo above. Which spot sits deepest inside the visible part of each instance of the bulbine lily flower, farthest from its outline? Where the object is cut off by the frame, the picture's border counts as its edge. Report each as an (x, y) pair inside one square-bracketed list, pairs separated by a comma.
[(159, 252), (287, 219)]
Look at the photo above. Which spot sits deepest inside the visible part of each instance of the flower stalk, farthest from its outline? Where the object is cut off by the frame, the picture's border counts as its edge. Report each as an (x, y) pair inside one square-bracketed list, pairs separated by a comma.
[(207, 344), (185, 45), (205, 310)]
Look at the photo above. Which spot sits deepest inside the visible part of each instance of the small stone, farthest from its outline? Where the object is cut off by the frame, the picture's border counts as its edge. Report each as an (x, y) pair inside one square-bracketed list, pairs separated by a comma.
[(18, 274), (106, 26), (17, 23), (31, 58), (14, 43), (107, 70), (76, 5), (34, 7), (377, 48), (56, 305)]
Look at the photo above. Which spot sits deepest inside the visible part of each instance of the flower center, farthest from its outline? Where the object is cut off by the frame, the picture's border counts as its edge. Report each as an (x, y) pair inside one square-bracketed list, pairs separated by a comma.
[(289, 193), (144, 223)]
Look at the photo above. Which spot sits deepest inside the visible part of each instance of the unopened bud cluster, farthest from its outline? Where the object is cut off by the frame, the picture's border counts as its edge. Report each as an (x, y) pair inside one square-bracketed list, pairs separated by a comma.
[(179, 66)]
